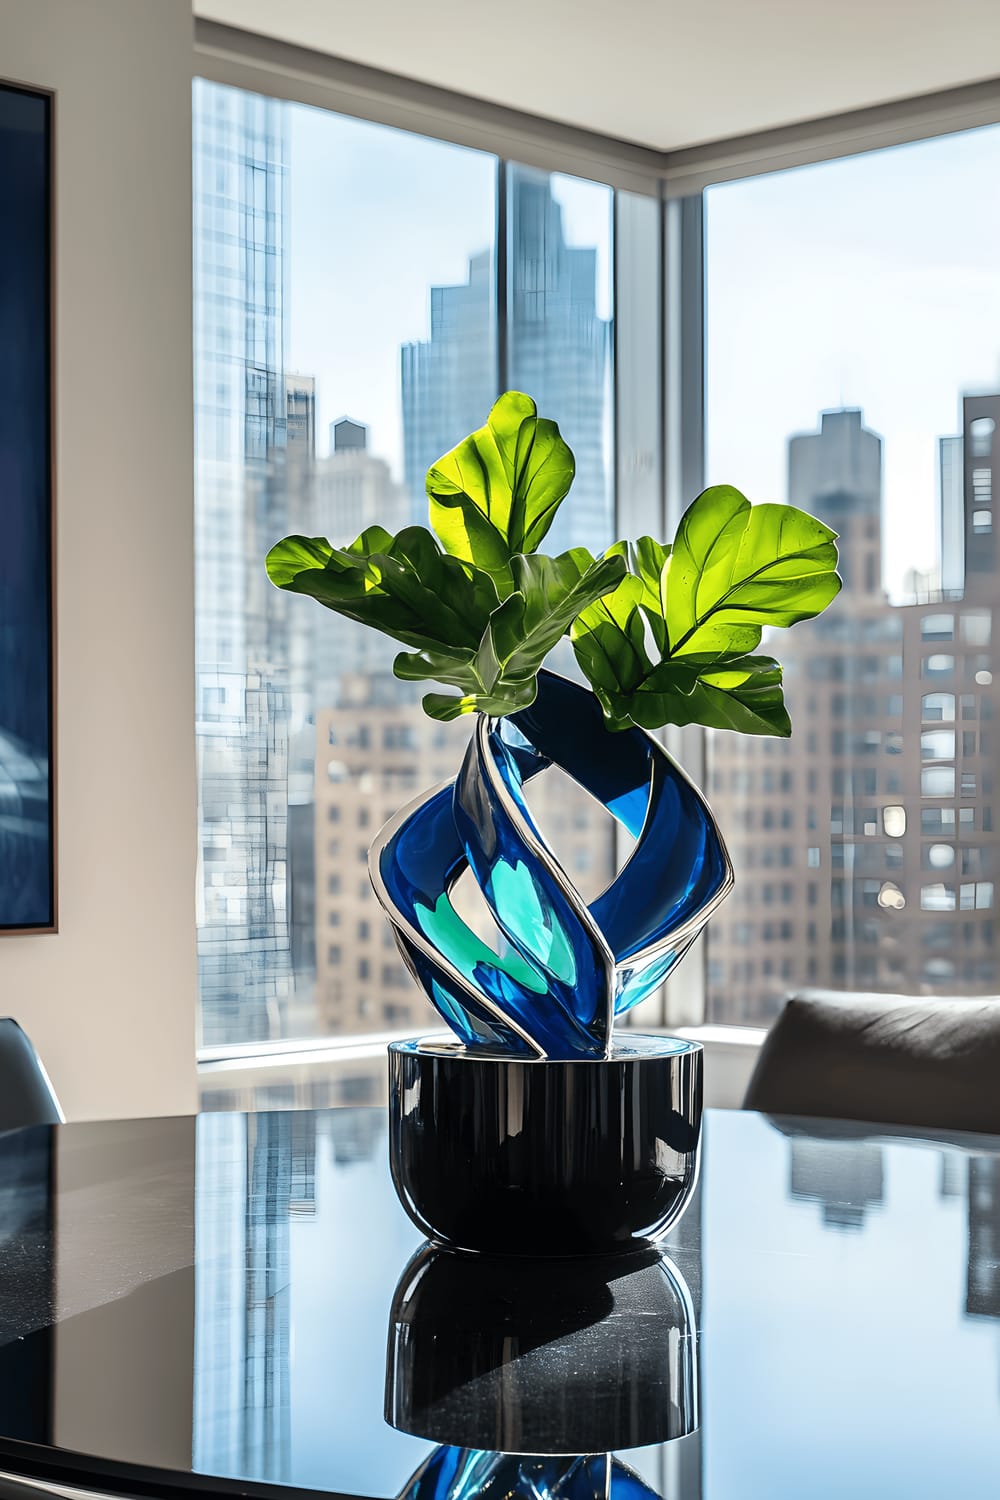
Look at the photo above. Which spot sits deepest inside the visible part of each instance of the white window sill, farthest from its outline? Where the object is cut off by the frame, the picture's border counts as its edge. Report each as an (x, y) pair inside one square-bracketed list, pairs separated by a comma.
[(304, 1074)]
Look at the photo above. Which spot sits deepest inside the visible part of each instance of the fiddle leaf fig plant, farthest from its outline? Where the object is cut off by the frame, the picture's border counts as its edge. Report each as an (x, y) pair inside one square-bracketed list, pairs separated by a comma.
[(665, 634)]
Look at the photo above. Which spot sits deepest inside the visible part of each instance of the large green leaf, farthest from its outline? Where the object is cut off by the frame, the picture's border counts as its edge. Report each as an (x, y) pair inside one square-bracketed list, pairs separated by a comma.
[(736, 567), (672, 644), (404, 586), (502, 675), (744, 694), (496, 494)]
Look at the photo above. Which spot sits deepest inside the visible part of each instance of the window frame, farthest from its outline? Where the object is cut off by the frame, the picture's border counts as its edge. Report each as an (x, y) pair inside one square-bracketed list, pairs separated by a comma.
[(658, 243)]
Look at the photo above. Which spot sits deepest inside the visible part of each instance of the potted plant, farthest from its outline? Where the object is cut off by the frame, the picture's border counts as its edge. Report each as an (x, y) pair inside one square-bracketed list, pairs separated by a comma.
[(536, 1130)]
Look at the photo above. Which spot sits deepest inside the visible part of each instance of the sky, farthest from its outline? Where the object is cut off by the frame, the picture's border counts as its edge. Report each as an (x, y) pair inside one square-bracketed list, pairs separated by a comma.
[(377, 217), (873, 281)]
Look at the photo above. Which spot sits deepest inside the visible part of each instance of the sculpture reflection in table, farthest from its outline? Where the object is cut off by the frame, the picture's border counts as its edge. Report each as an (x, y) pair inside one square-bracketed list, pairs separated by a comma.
[(462, 1474), (664, 635), (539, 1359), (590, 1354)]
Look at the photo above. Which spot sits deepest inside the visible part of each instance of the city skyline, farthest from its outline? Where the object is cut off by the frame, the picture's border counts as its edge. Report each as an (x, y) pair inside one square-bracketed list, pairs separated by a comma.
[(875, 871)]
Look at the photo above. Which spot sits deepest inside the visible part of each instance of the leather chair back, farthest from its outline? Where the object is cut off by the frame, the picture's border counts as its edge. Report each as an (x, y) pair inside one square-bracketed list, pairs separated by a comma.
[(26, 1095), (883, 1059)]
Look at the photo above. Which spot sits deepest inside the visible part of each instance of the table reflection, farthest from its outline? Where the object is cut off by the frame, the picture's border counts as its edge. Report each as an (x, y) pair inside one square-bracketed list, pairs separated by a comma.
[(821, 1302)]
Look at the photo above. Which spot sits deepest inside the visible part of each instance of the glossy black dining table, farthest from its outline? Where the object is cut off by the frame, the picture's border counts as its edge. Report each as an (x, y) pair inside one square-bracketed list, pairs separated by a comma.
[(236, 1304)]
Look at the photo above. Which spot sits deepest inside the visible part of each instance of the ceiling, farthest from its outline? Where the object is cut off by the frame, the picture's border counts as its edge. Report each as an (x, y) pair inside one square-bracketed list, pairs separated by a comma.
[(662, 73)]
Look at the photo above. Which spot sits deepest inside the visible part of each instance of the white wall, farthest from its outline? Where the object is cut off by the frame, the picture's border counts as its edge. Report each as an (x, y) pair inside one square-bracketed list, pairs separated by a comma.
[(110, 1000)]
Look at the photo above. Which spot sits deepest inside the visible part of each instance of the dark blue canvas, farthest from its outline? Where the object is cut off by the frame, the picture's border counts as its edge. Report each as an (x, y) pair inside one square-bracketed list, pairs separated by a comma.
[(27, 883)]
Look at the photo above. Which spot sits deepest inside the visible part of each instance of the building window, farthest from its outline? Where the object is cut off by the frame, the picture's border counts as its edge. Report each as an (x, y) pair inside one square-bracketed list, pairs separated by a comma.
[(981, 432), (937, 897), (938, 744), (937, 781), (937, 707), (976, 627), (894, 821), (982, 486), (937, 628)]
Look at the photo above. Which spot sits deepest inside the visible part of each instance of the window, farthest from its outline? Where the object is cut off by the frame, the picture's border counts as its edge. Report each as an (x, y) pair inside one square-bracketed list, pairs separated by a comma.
[(937, 781), (981, 436), (903, 470), (937, 628), (938, 707), (937, 819), (338, 352), (346, 335), (894, 822), (977, 627), (937, 898), (938, 744)]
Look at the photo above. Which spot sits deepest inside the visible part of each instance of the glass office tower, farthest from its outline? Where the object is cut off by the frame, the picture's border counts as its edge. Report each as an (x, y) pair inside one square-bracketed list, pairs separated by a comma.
[(245, 712)]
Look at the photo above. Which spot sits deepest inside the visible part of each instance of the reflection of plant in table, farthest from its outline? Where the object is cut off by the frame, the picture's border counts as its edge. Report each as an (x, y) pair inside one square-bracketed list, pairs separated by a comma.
[(665, 634)]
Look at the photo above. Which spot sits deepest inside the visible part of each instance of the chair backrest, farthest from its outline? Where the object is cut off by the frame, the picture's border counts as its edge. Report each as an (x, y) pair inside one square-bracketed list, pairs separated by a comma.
[(26, 1095), (884, 1059)]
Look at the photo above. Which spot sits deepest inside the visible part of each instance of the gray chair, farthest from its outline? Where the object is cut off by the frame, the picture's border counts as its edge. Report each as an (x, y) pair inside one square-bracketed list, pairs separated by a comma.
[(883, 1059), (26, 1096)]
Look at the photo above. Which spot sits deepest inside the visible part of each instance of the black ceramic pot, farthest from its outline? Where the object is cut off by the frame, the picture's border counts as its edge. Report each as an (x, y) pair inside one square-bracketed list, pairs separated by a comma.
[(510, 1156), (542, 1357)]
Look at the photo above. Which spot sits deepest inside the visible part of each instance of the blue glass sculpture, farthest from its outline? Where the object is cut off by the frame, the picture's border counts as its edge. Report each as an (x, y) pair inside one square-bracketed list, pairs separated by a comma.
[(561, 970), (467, 1474)]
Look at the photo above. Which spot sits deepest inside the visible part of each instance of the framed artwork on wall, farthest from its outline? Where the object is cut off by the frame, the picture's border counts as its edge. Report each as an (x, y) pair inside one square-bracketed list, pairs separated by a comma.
[(27, 595)]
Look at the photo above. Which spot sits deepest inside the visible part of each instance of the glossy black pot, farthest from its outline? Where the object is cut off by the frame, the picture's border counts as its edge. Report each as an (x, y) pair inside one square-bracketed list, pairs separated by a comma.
[(542, 1357), (509, 1156)]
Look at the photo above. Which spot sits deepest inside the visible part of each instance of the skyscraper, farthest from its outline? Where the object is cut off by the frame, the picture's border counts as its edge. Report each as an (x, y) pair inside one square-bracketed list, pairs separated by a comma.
[(559, 349), (243, 502), (448, 382), (558, 352)]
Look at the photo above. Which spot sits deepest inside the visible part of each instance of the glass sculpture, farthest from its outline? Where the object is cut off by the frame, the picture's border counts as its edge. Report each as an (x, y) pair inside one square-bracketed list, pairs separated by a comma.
[(561, 970)]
